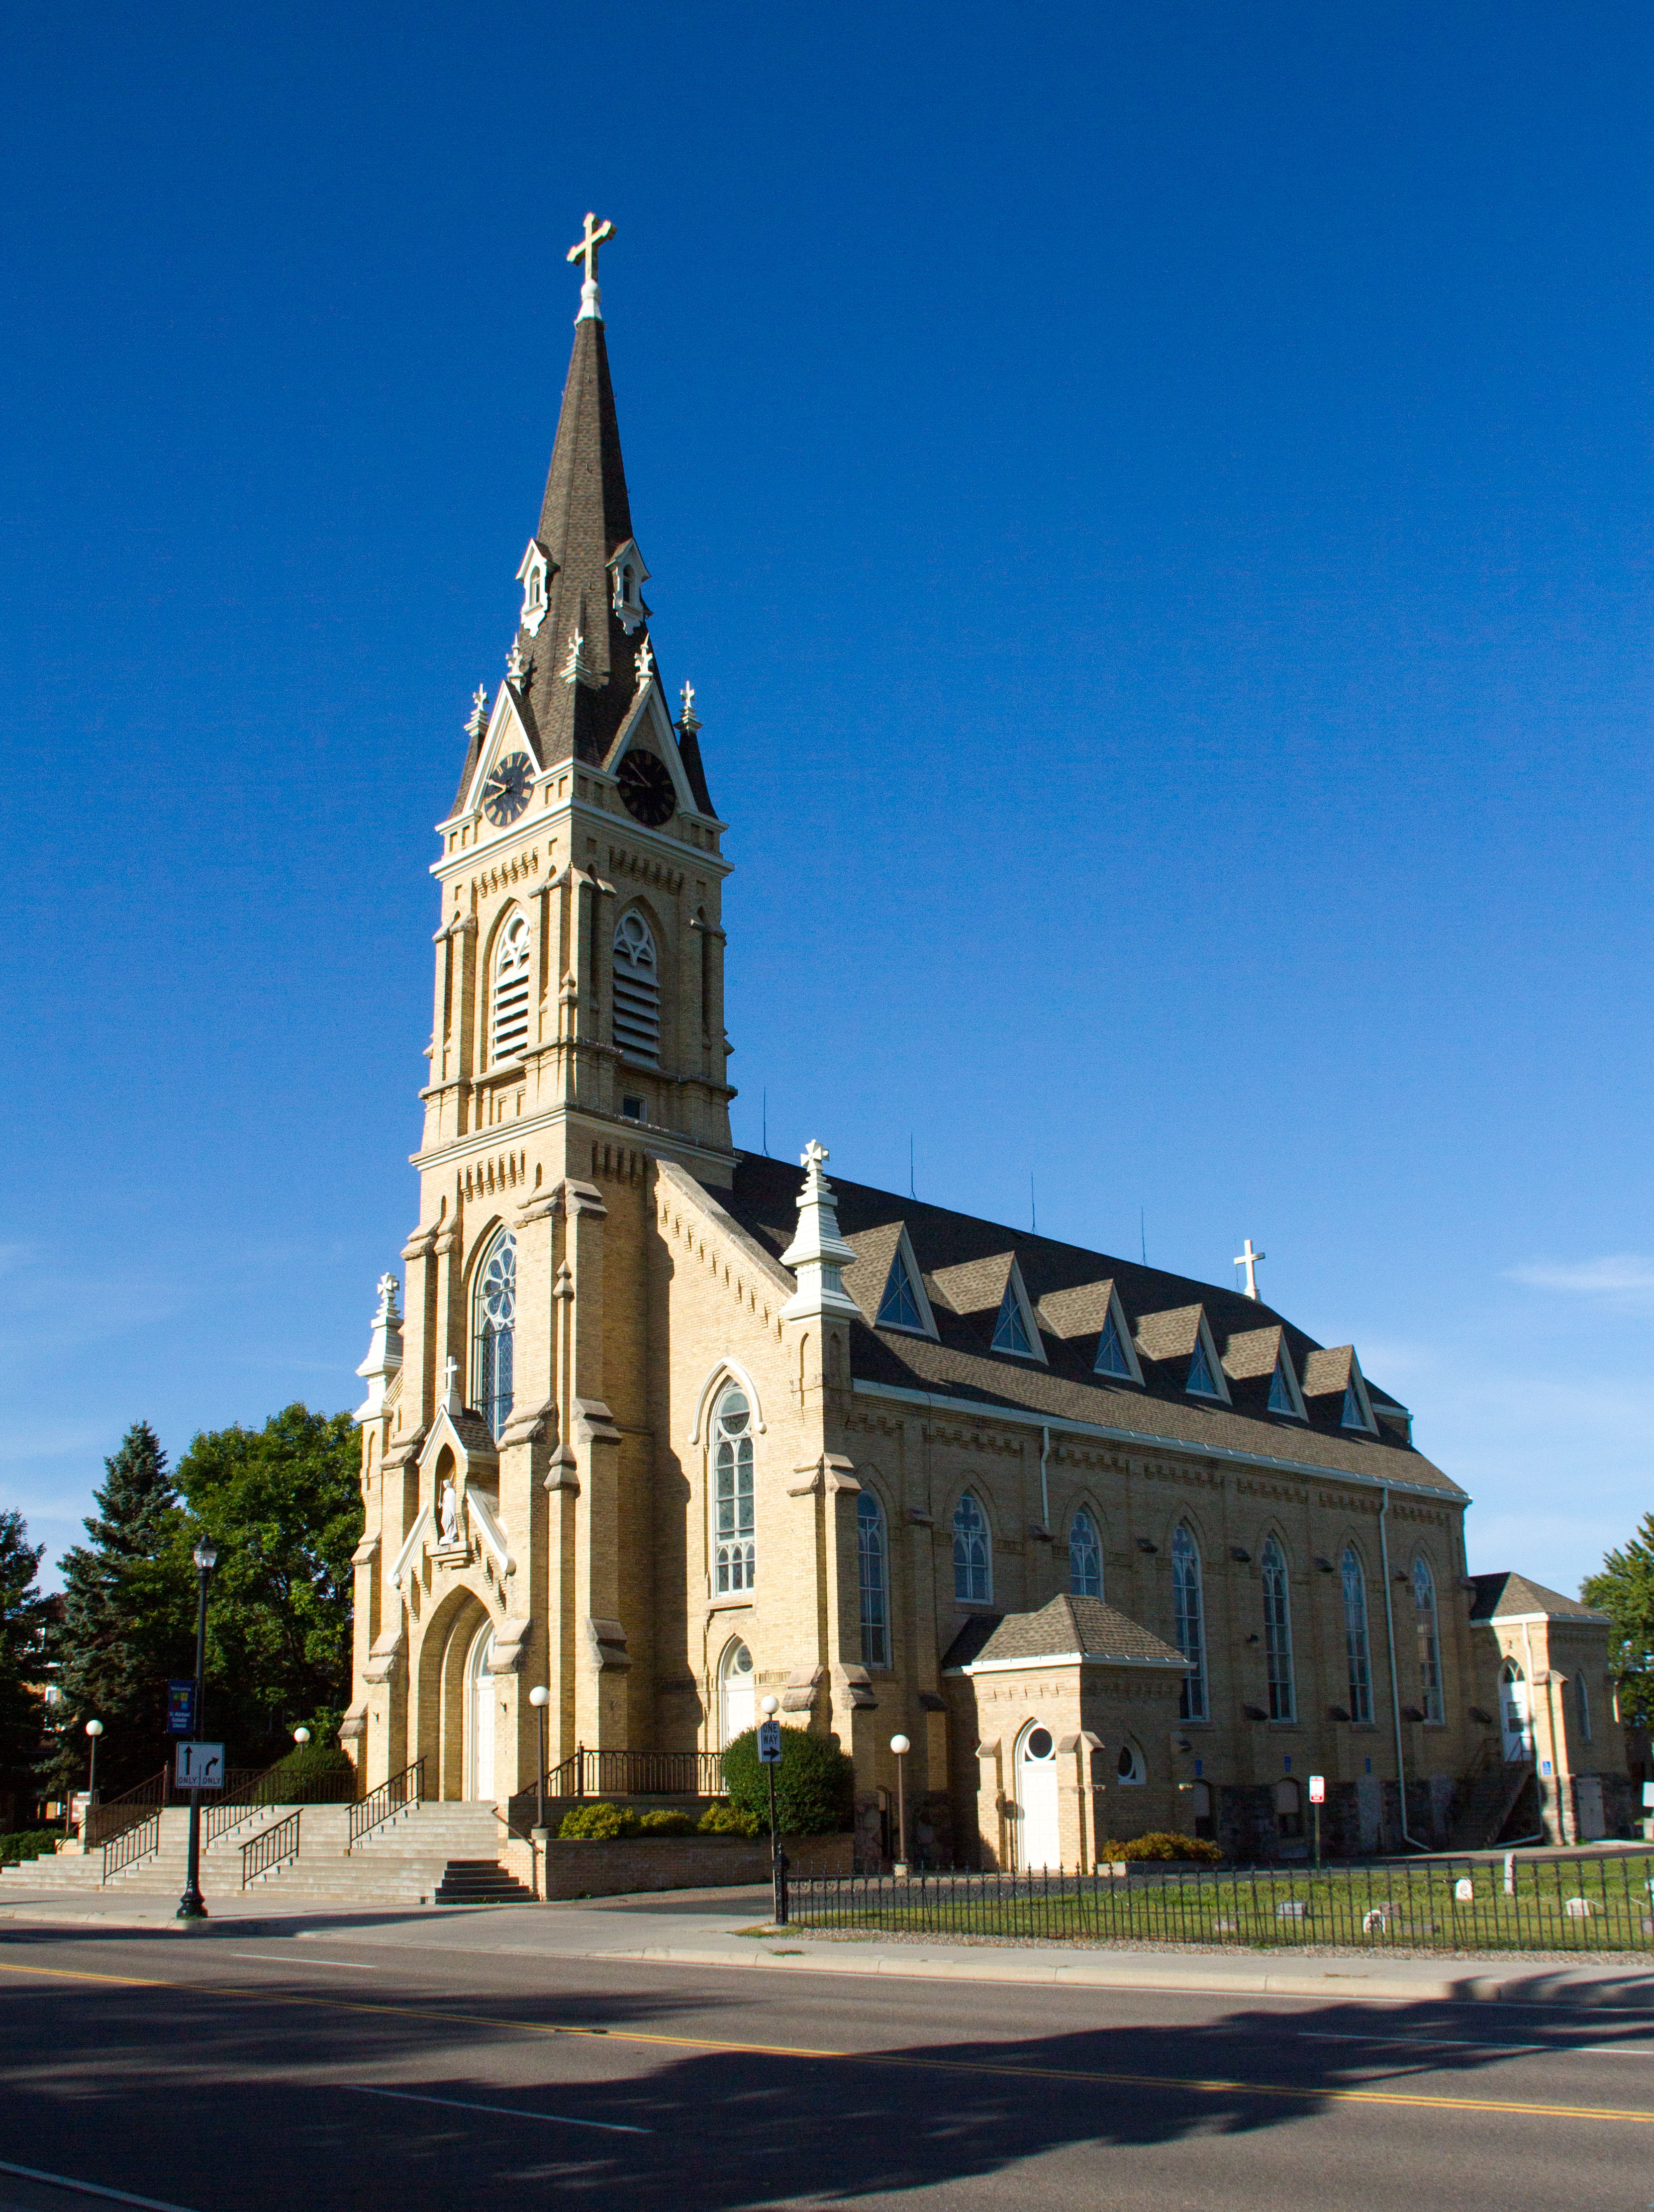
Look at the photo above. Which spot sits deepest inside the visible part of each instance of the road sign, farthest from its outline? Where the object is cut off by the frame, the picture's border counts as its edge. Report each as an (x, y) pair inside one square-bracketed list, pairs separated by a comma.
[(200, 1766), (1318, 1790), (769, 1742), (181, 1708)]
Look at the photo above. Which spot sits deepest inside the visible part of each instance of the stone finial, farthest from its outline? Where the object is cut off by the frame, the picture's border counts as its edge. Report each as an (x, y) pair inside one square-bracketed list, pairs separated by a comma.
[(643, 662), (477, 720), (576, 669), (516, 666), (689, 722), (384, 1361), (818, 1252)]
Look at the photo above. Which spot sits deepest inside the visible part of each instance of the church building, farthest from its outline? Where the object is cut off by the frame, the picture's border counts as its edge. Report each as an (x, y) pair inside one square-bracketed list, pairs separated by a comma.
[(660, 1427)]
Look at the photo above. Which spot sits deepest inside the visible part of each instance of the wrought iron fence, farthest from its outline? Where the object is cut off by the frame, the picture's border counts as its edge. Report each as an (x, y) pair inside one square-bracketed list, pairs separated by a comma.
[(637, 1774), (102, 1824), (271, 1847), (135, 1842), (385, 1803), (1603, 1902)]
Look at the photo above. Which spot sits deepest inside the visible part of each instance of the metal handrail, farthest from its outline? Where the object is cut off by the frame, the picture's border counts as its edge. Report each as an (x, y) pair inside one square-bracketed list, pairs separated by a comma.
[(132, 1844), (103, 1823), (271, 1847), (589, 1773), (384, 1803)]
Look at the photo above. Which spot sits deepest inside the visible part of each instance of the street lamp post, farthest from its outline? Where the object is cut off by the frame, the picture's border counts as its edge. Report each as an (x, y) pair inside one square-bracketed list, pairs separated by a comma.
[(539, 1697), (770, 1708), (192, 1905), (901, 1746), (94, 1730)]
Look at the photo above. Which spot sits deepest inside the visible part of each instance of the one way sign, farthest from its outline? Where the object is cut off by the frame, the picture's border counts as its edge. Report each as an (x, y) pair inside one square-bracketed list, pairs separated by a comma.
[(769, 1742)]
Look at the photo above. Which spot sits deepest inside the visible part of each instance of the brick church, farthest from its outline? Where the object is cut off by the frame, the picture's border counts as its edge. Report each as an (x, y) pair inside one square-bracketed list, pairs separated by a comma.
[(662, 1426)]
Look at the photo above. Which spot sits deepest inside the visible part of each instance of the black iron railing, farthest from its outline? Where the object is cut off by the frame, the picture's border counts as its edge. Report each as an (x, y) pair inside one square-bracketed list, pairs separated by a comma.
[(135, 1842), (102, 1824), (384, 1803), (1603, 1902), (271, 1847), (637, 1774)]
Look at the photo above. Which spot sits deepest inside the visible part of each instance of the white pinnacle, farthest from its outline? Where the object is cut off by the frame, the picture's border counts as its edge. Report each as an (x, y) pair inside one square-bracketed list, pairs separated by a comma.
[(818, 1252)]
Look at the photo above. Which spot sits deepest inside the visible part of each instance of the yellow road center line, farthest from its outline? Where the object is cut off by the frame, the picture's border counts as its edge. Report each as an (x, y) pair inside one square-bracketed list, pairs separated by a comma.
[(66, 1974), (1195, 2085)]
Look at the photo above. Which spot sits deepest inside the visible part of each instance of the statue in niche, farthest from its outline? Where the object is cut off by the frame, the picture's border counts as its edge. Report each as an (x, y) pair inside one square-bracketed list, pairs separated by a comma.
[(448, 1515)]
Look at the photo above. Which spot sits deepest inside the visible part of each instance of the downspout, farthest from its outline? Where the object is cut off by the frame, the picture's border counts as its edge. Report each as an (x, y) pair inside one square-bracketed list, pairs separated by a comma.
[(1394, 1685), (1044, 1494)]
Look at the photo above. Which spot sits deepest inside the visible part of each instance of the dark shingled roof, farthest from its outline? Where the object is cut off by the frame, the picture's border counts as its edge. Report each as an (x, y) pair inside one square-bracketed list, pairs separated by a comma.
[(962, 1258), (585, 517), (1067, 1624), (1505, 1594)]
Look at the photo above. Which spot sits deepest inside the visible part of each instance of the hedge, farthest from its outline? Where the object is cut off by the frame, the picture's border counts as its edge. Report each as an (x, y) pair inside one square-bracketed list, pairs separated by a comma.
[(1191, 1850), (28, 1843), (815, 1782)]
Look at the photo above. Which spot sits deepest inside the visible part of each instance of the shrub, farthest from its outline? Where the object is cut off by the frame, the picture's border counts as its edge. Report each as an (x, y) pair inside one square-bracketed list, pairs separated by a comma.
[(28, 1843), (815, 1782), (1189, 1851), (598, 1824), (728, 1820), (666, 1823), (310, 1770)]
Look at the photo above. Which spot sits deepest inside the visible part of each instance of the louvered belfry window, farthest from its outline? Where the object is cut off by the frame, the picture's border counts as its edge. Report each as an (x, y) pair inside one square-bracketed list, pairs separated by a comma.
[(511, 964), (637, 991)]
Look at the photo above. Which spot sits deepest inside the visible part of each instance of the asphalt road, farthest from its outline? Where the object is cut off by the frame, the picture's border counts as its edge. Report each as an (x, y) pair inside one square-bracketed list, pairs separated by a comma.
[(217, 2069)]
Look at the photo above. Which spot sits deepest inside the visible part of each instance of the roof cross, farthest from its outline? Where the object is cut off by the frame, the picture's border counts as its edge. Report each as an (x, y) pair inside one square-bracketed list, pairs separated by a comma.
[(451, 1399), (585, 248), (1249, 1259)]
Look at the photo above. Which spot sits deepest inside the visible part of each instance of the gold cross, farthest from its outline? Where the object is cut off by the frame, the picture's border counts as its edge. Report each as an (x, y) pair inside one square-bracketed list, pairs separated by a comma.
[(586, 248)]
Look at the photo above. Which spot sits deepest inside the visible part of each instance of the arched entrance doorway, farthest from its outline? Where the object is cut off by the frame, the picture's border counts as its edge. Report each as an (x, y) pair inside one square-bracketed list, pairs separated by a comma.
[(1039, 1842), (479, 1716), (1515, 1724), (736, 1694)]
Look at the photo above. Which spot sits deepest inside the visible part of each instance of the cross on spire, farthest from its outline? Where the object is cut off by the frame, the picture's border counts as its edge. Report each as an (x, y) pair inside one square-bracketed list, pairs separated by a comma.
[(585, 248), (1249, 1259), (812, 1156)]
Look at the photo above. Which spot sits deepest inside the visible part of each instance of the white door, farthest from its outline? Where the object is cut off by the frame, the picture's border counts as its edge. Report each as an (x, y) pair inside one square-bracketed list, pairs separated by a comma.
[(480, 1684), (737, 1707), (1040, 1841), (1513, 1716)]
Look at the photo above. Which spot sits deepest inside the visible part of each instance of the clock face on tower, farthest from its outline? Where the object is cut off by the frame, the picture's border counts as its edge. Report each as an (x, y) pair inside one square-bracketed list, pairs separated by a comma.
[(506, 791), (646, 789)]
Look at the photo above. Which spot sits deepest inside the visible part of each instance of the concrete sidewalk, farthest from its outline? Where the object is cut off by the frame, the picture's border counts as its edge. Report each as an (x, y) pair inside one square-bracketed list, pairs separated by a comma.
[(704, 1930)]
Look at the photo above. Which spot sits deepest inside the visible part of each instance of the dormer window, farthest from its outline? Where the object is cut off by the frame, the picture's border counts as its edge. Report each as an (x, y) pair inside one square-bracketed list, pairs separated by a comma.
[(629, 577), (534, 575)]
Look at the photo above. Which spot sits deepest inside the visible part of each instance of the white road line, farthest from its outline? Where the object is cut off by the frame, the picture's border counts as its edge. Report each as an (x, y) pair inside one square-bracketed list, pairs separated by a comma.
[(509, 2111), (88, 2188), (1472, 2042), (275, 1959)]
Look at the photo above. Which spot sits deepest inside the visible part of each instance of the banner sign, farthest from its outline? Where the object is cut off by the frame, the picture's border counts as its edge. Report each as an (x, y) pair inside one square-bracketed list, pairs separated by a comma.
[(181, 1708)]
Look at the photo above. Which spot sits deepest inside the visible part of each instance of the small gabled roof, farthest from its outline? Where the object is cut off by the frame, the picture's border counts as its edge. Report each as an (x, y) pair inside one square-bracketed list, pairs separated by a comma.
[(975, 1287), (1087, 1626), (1252, 1353), (1498, 1596)]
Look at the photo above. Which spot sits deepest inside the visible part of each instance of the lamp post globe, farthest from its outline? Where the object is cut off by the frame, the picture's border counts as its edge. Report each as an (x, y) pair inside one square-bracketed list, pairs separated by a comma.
[(539, 1697), (769, 1707), (302, 1736)]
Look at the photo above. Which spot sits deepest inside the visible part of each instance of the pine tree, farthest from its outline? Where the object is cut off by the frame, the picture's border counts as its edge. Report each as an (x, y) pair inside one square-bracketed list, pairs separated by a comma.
[(128, 1615), (1624, 1592), (24, 1613)]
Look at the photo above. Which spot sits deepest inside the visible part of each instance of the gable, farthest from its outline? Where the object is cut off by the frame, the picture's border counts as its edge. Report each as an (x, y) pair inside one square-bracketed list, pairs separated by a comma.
[(506, 733)]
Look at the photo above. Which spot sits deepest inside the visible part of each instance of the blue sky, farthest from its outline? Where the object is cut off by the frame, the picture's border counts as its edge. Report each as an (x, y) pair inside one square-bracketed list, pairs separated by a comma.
[(1156, 504)]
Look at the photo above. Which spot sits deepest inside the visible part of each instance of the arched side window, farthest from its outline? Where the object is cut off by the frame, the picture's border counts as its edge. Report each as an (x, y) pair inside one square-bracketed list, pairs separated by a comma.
[(732, 1506), (1084, 1556), (510, 1023), (493, 1321), (1278, 1633), (1189, 1621), (1430, 1661), (637, 990), (736, 1694), (973, 1578), (1358, 1658), (875, 1585)]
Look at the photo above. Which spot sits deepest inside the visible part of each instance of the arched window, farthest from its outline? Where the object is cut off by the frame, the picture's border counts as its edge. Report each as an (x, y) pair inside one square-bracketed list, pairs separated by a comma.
[(1129, 1767), (732, 1459), (1355, 1636), (972, 1580), (1430, 1663), (1582, 1699), (1289, 1809), (510, 1009), (637, 990), (493, 1320), (1278, 1633), (875, 1593), (1189, 1621), (1084, 1556)]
